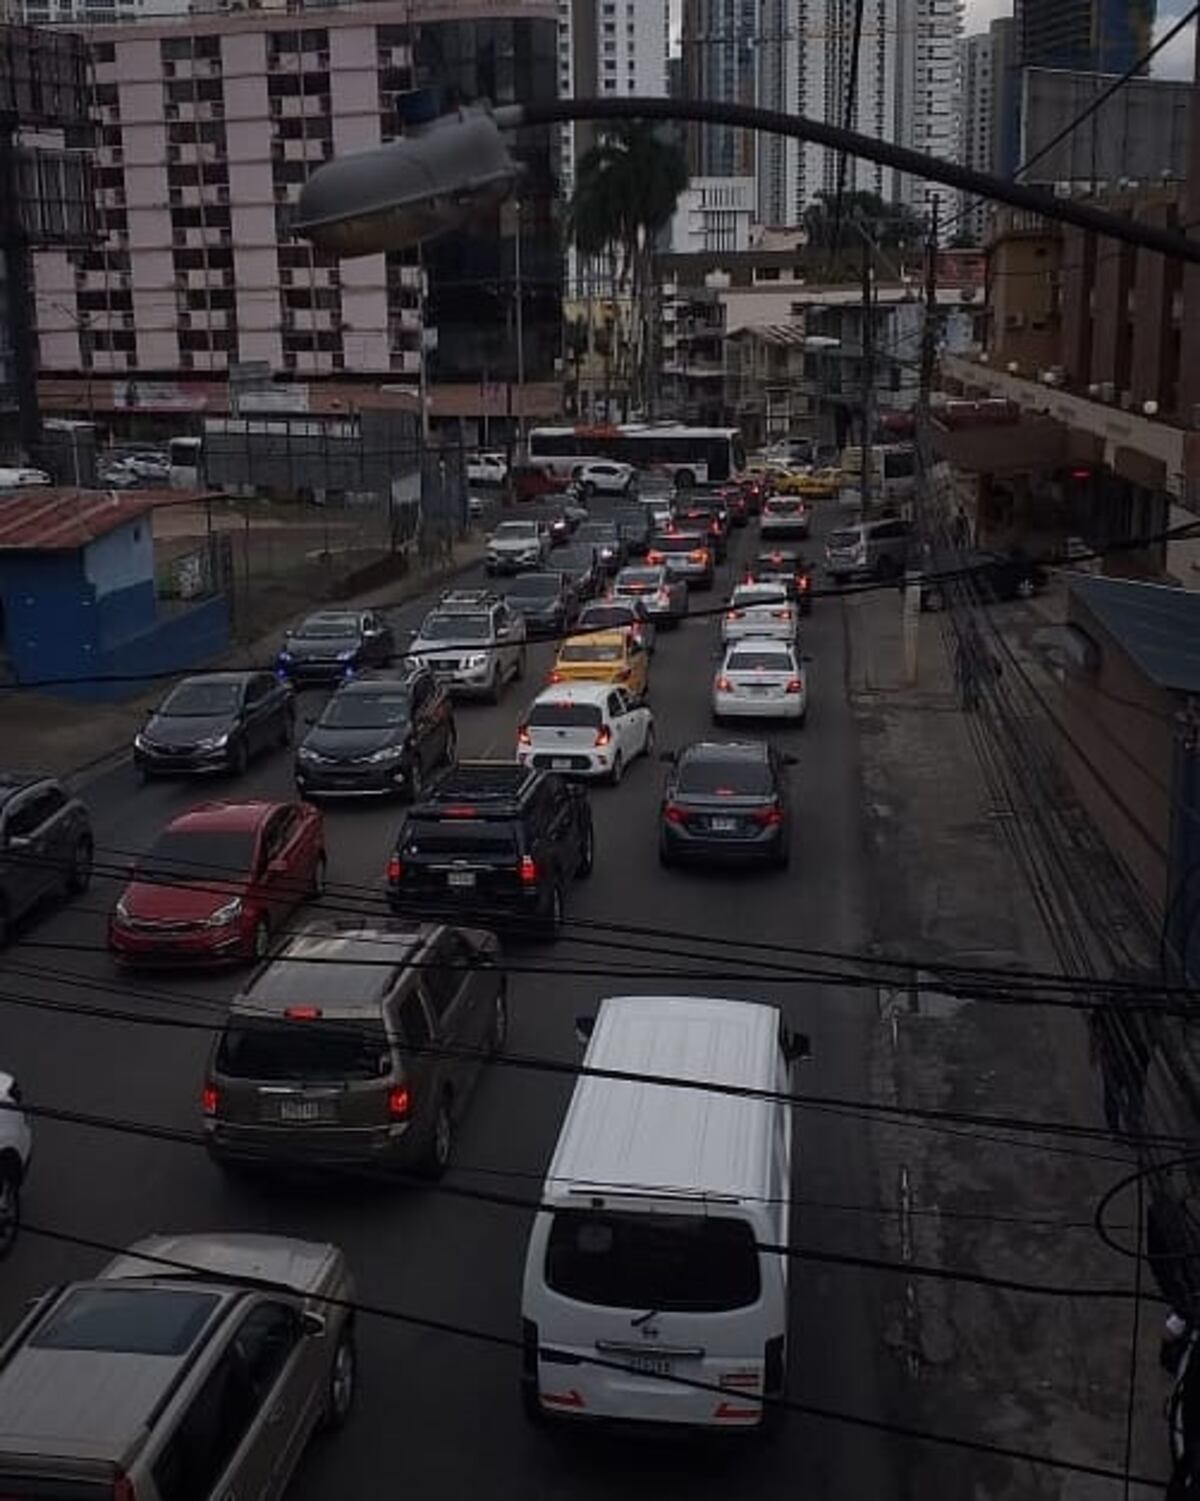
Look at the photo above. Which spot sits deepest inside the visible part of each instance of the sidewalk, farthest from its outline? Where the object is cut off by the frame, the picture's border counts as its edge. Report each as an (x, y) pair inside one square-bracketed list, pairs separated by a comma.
[(53, 735), (1037, 1373)]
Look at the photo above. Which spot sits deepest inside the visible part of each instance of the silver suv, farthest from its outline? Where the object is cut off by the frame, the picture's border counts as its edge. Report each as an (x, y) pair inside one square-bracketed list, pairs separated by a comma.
[(473, 643), (46, 845), (868, 549), (193, 1365), (516, 545)]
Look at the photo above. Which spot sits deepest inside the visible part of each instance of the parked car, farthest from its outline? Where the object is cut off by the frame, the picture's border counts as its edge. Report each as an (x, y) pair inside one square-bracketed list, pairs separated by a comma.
[(604, 657), (472, 642), (585, 729), (686, 556), (46, 845), (378, 736), (761, 677), (726, 803), (665, 598), (997, 575), (218, 882), (215, 723), (867, 549), (605, 477), (335, 644), (357, 1047), (788, 568), (783, 516), (16, 1150), (759, 610), (497, 839), (605, 537), (515, 545), (190, 1366), (487, 469), (613, 614), (545, 601)]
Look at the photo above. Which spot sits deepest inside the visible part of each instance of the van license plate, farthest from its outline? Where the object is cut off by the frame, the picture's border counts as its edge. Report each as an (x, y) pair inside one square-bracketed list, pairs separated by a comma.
[(460, 878), (649, 1365), (299, 1110)]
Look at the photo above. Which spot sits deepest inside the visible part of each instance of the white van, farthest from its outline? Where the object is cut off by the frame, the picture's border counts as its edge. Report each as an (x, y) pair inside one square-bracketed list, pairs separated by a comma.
[(646, 1263)]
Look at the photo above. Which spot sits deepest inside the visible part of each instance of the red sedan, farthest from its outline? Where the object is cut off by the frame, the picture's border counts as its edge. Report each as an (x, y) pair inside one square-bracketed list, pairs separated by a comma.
[(218, 881)]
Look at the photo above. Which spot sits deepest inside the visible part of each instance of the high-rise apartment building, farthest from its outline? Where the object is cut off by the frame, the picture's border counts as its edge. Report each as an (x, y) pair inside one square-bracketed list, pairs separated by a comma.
[(927, 91), (975, 122), (1089, 36), (207, 127), (1006, 96), (720, 41)]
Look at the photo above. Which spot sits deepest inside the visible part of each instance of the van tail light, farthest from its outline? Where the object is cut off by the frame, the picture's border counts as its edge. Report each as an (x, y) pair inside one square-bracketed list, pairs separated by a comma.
[(395, 870), (523, 735), (673, 813), (794, 685), (398, 1103), (768, 818), (603, 736), (209, 1099), (724, 685), (527, 871)]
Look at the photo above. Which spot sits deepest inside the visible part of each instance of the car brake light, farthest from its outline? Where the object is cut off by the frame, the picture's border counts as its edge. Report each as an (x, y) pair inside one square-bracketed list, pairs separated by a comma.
[(802, 583), (794, 685), (302, 1013), (209, 1099), (724, 685), (733, 614), (781, 614), (395, 869), (673, 813), (603, 735), (655, 557), (398, 1103), (523, 735), (768, 818), (554, 676), (528, 871), (699, 556)]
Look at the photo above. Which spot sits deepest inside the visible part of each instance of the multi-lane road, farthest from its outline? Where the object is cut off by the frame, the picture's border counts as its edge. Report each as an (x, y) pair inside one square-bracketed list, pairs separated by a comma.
[(438, 1413)]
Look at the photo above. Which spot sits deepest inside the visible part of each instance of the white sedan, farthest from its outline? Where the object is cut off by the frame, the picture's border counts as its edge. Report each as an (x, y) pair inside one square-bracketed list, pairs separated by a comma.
[(759, 610), (605, 477), (585, 730), (761, 678)]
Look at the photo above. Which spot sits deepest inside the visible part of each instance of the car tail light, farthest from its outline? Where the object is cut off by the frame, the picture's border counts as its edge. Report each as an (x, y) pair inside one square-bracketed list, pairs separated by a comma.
[(781, 614), (802, 583), (603, 736), (654, 556), (395, 870), (523, 735), (398, 1103), (554, 676), (673, 813), (302, 1013), (734, 614), (527, 871), (209, 1099), (724, 685), (794, 685), (699, 556), (768, 818)]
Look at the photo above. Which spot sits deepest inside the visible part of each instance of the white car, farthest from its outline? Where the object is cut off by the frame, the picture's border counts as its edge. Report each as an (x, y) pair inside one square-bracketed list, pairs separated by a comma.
[(516, 545), (586, 730), (605, 477), (761, 678), (487, 469), (16, 1147), (759, 610)]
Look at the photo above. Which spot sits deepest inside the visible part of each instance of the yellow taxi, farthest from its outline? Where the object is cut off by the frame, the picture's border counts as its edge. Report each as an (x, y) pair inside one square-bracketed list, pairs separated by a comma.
[(815, 484), (616, 657)]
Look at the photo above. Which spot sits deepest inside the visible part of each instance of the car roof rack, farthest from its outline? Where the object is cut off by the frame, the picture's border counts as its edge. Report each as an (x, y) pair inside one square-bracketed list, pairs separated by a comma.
[(486, 785), (476, 598)]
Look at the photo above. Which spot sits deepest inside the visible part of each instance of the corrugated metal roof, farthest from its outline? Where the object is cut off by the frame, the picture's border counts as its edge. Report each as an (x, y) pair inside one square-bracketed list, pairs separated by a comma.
[(50, 520), (1157, 625)]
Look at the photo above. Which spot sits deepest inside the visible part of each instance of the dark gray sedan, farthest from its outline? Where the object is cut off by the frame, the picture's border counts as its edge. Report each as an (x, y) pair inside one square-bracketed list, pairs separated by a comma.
[(215, 723)]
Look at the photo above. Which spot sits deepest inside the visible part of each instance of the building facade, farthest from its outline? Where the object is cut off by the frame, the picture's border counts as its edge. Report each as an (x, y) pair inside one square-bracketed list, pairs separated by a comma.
[(207, 127), (1088, 36), (714, 214), (1139, 135), (975, 122), (719, 41), (927, 91)]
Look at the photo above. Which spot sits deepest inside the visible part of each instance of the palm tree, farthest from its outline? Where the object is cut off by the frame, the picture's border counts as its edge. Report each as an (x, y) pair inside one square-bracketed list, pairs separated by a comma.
[(893, 226), (626, 189)]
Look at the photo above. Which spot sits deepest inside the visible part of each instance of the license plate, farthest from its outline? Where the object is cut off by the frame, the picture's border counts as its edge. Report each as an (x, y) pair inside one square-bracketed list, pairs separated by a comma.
[(649, 1365), (299, 1110), (560, 763), (460, 878), (756, 690), (723, 825)]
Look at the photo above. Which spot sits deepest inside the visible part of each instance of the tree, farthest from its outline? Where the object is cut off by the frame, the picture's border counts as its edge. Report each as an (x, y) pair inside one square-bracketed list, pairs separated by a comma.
[(893, 226), (626, 189)]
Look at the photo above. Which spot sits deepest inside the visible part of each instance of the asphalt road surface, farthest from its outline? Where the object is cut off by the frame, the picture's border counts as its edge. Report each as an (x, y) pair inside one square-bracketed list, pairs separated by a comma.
[(439, 1414)]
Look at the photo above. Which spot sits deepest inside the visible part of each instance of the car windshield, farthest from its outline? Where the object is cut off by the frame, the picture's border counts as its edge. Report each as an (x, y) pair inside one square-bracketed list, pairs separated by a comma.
[(653, 1262), (724, 776), (456, 628), (565, 715), (309, 1049), (536, 586), (758, 594), (749, 660), (201, 700), (180, 854), (597, 616), (130, 1320), (510, 529), (591, 651), (679, 542), (366, 711), (787, 506), (320, 627)]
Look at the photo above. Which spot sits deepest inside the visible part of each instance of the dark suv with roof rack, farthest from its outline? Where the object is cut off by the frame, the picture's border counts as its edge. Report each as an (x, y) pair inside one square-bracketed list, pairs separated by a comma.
[(495, 839)]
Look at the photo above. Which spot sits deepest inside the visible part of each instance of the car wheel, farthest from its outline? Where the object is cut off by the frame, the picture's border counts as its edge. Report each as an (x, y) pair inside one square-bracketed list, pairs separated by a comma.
[(239, 758), (10, 1204), (316, 889), (498, 1033), (618, 770), (450, 749), (260, 942), (665, 858), (441, 1140), (650, 740), (79, 876), (587, 858), (343, 1383)]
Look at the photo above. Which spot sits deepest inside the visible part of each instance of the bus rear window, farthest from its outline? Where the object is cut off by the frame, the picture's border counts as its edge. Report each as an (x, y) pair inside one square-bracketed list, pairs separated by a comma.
[(667, 1262)]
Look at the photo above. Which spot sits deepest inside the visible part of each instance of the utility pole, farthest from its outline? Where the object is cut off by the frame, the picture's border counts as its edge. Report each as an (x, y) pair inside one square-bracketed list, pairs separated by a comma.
[(868, 375), (912, 593), (520, 334)]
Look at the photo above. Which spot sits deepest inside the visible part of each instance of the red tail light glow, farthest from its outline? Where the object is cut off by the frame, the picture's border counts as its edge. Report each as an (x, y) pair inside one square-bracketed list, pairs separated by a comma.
[(734, 614), (460, 810), (673, 813), (768, 818), (302, 1013), (655, 557), (781, 614), (527, 871), (724, 685), (699, 556), (395, 870), (794, 685), (398, 1103), (603, 736), (802, 583), (209, 1099), (523, 735), (555, 676)]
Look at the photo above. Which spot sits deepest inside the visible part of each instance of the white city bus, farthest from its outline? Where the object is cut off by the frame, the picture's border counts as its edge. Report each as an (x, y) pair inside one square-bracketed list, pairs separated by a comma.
[(687, 455)]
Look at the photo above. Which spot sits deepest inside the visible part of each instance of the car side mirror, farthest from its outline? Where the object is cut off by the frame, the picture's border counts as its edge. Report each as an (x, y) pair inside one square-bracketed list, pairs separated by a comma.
[(584, 1027), (313, 1325), (796, 1047), (17, 842)]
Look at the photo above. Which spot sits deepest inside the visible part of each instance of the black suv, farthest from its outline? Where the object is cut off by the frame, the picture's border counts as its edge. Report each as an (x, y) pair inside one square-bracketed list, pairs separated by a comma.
[(378, 734), (494, 840)]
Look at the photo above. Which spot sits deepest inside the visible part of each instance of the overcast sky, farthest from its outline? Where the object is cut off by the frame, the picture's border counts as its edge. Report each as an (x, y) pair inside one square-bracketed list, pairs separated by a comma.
[(1175, 61)]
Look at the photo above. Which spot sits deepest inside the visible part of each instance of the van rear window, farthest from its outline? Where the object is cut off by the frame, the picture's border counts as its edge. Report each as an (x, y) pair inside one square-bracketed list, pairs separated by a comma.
[(668, 1262)]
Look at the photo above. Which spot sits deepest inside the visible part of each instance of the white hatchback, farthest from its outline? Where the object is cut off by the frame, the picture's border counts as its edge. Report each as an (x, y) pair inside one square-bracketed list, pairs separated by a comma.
[(16, 1148), (605, 477), (585, 730), (759, 610), (761, 678)]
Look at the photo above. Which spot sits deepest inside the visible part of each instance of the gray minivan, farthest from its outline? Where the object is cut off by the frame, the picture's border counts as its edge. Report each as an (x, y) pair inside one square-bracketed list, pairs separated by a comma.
[(356, 1047), (868, 549), (192, 1366)]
